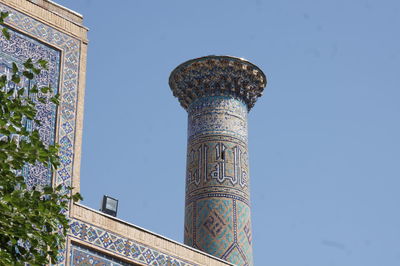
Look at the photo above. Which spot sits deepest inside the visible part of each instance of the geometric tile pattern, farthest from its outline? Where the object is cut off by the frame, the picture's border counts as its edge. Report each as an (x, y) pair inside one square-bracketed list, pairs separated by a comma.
[(63, 52), (218, 92), (222, 114), (214, 225), (84, 256), (120, 245), (217, 219)]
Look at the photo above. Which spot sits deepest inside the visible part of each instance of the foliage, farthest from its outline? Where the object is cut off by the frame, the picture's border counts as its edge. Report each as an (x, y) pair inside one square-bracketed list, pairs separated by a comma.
[(32, 224)]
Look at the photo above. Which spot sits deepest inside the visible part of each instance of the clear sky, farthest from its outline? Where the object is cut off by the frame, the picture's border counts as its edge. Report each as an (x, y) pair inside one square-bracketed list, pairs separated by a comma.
[(324, 139)]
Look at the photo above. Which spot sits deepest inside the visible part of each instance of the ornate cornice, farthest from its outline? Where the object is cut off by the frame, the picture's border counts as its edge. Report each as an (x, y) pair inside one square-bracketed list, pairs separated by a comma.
[(217, 75)]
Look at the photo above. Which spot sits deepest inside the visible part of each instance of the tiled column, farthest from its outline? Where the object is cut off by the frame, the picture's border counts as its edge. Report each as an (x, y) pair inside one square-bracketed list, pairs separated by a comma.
[(218, 92)]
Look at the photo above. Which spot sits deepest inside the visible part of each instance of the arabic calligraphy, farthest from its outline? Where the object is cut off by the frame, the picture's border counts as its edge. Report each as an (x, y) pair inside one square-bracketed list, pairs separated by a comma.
[(226, 164)]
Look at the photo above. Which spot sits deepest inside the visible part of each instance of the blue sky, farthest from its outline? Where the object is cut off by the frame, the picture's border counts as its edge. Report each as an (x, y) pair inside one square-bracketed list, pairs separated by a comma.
[(324, 139)]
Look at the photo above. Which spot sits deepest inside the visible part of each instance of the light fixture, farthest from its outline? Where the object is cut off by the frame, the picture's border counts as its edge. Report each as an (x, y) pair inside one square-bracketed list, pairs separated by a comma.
[(109, 205)]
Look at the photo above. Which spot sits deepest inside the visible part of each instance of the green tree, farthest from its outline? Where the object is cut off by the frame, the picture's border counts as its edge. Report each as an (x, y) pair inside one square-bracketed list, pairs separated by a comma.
[(33, 225)]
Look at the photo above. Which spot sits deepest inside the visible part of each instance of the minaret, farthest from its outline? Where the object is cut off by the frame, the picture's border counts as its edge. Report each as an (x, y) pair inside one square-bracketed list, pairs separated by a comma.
[(218, 92)]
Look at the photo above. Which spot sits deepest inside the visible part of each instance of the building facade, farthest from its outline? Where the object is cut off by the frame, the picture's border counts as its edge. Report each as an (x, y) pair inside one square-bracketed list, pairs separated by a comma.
[(42, 29)]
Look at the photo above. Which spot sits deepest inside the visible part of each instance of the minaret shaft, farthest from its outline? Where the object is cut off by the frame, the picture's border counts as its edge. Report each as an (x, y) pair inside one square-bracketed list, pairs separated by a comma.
[(218, 92), (217, 218)]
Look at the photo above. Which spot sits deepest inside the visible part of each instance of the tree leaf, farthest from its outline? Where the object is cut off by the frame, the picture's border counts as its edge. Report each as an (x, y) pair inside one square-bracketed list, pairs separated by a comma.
[(42, 63), (6, 34), (14, 68), (15, 78), (3, 81), (4, 15), (45, 89), (36, 70), (34, 89), (28, 64), (28, 74)]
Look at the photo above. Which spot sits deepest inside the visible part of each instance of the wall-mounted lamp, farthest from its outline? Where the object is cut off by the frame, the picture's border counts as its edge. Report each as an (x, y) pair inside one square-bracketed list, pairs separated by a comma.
[(109, 205)]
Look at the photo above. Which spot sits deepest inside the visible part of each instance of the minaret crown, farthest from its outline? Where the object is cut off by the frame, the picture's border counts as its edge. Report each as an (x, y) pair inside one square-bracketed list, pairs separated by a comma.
[(217, 75)]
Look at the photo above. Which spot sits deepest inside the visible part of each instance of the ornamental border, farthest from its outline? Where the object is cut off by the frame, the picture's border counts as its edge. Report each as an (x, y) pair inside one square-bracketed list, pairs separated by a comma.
[(143, 249)]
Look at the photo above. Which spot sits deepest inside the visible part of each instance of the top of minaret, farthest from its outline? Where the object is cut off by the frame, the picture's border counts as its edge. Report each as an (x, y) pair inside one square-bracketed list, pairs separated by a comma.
[(217, 75)]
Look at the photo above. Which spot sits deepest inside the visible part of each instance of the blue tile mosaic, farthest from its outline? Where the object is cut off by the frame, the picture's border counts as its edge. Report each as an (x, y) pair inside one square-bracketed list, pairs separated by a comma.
[(120, 245), (63, 52), (217, 180), (17, 50), (218, 92), (84, 256)]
